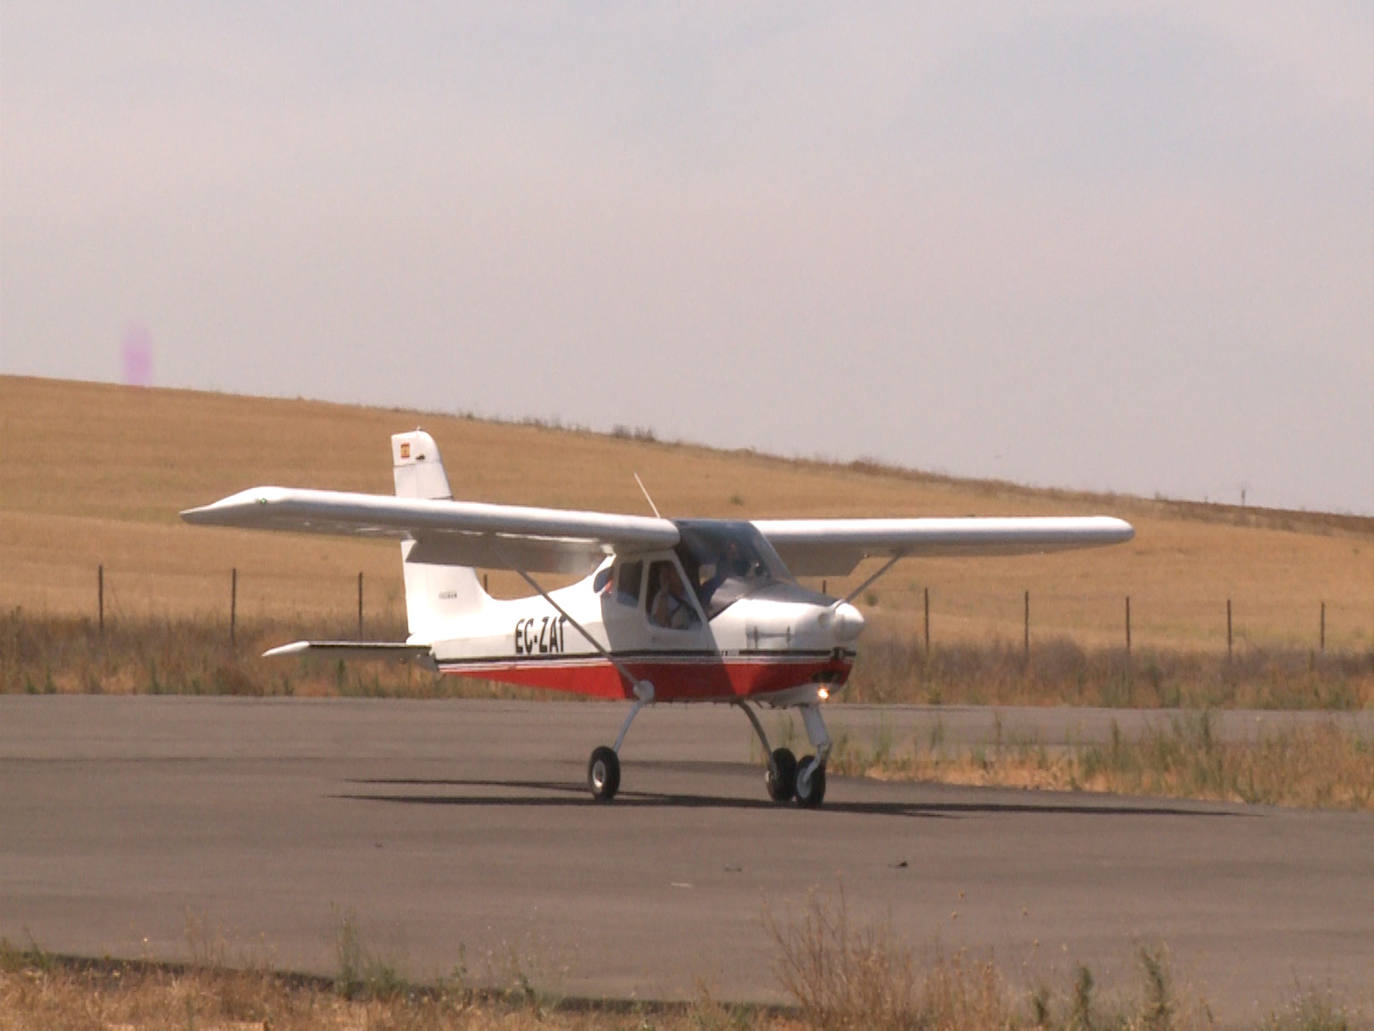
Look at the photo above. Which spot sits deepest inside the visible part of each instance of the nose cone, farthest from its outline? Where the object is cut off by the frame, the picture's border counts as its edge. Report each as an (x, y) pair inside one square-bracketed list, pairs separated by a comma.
[(847, 623)]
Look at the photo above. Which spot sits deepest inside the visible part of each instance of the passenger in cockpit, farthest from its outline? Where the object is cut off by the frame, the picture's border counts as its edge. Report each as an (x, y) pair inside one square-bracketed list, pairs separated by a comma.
[(729, 563)]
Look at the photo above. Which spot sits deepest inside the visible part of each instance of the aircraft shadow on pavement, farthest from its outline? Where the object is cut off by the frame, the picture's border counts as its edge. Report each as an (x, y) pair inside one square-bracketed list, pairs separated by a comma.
[(562, 793)]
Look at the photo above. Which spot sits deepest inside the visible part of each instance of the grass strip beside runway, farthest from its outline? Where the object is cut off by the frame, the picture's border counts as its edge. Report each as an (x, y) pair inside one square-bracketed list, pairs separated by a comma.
[(1317, 766), (839, 976)]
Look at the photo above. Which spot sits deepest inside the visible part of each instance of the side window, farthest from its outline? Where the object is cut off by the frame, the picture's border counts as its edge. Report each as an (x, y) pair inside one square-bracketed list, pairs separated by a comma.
[(627, 583), (670, 603)]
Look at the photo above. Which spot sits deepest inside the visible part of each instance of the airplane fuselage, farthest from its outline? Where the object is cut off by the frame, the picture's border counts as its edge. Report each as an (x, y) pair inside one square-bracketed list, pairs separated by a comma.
[(761, 647)]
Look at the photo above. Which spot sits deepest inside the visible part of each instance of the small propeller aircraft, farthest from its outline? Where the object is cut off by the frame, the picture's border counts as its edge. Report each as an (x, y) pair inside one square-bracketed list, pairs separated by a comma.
[(669, 610)]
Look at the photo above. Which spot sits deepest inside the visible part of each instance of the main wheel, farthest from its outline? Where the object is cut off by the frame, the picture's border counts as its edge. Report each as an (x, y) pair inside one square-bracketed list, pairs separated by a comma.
[(781, 775), (810, 789), (603, 774)]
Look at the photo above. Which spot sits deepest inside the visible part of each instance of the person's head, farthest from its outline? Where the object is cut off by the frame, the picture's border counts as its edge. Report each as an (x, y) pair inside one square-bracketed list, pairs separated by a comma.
[(734, 563)]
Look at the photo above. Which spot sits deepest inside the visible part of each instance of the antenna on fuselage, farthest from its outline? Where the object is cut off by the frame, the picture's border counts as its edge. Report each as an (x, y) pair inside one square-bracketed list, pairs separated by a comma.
[(646, 495)]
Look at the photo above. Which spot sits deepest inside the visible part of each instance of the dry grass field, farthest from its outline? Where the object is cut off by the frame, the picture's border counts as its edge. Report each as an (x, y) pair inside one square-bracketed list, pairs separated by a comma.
[(1318, 766), (94, 474), (837, 973)]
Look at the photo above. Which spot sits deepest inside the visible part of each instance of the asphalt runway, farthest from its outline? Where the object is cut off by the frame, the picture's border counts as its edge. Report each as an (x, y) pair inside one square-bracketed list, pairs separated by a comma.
[(453, 833)]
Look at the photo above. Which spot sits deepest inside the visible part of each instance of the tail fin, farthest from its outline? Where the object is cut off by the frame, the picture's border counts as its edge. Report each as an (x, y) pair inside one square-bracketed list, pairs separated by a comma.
[(435, 595)]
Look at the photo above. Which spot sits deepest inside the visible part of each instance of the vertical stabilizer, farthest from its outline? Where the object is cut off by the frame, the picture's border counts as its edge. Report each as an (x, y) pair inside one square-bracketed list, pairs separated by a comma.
[(436, 596), (417, 467)]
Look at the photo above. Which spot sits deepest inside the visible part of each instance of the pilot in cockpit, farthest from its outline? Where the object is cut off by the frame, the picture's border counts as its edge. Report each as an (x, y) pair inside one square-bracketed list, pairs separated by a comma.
[(670, 607)]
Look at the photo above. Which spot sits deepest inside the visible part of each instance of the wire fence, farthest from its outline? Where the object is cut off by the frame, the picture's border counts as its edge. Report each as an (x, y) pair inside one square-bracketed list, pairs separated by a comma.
[(231, 601)]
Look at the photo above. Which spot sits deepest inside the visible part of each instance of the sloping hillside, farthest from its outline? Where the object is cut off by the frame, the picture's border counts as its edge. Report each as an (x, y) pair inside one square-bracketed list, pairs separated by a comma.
[(94, 474)]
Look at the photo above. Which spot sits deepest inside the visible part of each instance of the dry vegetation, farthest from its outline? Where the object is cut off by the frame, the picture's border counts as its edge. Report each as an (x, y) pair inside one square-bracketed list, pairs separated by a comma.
[(839, 975), (69, 654), (1321, 765), (1062, 672)]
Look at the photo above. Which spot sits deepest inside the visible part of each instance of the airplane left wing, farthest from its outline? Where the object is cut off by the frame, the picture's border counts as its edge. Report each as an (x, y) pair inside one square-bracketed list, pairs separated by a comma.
[(833, 547), (461, 533)]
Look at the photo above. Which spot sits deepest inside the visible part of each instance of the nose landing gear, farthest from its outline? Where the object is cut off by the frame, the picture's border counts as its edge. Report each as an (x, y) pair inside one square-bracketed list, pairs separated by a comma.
[(810, 790), (785, 778)]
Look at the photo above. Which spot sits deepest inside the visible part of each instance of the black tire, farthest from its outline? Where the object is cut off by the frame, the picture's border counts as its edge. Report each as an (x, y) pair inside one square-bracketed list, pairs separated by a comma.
[(780, 776), (603, 774), (810, 788)]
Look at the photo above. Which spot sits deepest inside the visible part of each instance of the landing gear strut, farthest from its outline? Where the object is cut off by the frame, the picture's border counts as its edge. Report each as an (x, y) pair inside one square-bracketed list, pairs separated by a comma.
[(810, 790), (603, 769), (811, 770)]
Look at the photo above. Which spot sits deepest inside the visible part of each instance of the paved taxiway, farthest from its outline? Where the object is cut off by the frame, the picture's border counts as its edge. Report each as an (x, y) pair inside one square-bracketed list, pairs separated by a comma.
[(462, 832)]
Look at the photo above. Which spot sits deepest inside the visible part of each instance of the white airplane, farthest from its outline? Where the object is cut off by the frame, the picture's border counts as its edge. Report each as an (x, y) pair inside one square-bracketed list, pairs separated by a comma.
[(670, 610)]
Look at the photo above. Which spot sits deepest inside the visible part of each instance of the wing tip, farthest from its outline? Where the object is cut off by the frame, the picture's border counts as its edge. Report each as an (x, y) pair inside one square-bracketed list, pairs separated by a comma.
[(1120, 530)]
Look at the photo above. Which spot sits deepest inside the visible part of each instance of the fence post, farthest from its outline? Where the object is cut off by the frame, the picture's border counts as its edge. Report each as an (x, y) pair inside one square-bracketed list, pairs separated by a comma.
[(360, 605), (1028, 626), (1128, 624), (233, 602), (100, 596), (927, 620), (1323, 635), (1228, 629)]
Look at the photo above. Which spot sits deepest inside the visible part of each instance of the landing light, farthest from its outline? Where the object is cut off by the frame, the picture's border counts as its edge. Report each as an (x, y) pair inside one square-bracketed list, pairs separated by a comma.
[(822, 693)]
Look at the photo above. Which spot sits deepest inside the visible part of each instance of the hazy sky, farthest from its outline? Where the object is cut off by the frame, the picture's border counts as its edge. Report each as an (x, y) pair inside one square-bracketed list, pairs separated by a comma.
[(1113, 246)]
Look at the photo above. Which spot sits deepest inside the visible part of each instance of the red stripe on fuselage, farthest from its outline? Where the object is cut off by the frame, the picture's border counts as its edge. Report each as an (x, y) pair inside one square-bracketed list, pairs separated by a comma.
[(678, 681)]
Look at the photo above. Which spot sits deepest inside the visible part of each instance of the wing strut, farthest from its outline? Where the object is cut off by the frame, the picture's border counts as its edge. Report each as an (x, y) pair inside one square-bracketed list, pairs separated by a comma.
[(858, 590), (643, 689)]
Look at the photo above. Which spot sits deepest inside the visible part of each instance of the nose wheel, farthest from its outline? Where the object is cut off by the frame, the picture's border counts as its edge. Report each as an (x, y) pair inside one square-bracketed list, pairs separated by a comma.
[(810, 789)]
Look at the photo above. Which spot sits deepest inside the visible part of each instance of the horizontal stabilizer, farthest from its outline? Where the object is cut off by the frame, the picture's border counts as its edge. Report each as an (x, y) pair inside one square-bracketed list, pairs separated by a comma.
[(356, 650)]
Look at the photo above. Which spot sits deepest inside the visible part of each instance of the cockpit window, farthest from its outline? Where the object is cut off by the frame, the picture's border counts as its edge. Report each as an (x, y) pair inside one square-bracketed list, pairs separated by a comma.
[(726, 561)]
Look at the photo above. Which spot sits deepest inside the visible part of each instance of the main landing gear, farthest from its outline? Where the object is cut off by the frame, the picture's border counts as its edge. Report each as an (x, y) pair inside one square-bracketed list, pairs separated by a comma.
[(603, 769), (785, 778)]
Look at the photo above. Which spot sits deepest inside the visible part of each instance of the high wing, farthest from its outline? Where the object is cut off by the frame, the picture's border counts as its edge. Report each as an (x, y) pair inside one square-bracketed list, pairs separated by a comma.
[(460, 533), (833, 547), (467, 533)]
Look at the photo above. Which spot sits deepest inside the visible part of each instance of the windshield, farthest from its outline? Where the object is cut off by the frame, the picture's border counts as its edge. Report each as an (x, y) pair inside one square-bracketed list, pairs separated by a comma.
[(725, 561)]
